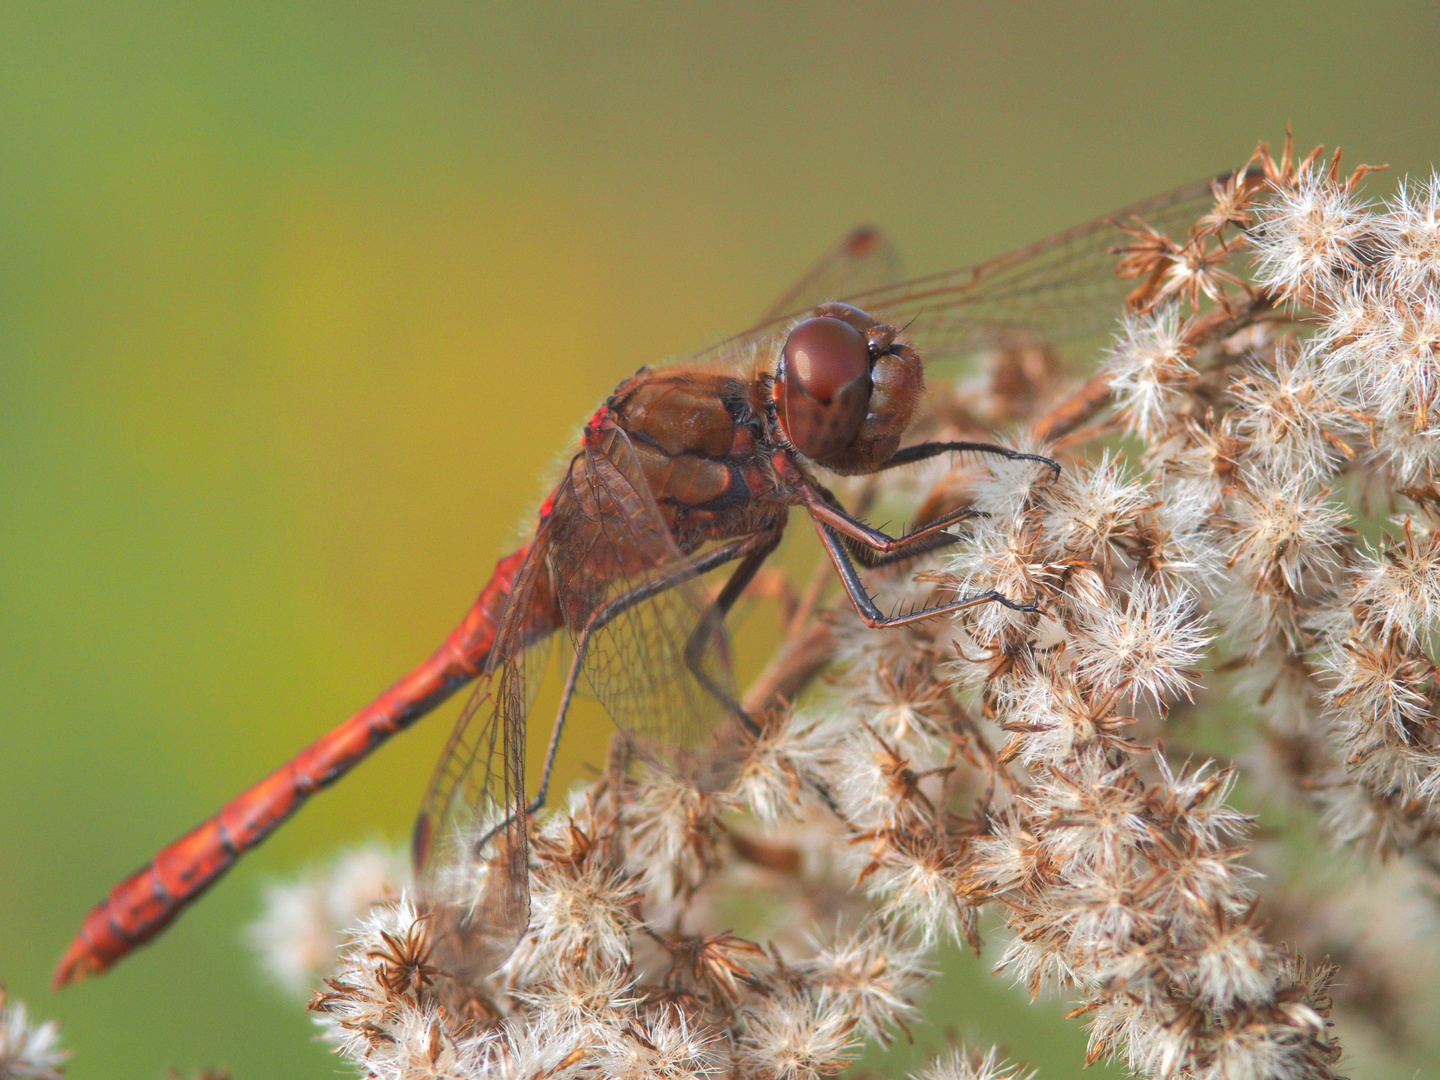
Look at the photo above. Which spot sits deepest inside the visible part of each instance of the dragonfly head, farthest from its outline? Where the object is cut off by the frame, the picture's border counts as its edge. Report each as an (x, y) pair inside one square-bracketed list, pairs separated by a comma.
[(845, 389)]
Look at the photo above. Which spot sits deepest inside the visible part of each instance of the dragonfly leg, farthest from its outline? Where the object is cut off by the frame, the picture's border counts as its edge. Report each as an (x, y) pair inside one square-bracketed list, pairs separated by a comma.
[(871, 615), (759, 548), (874, 548), (612, 610), (925, 451)]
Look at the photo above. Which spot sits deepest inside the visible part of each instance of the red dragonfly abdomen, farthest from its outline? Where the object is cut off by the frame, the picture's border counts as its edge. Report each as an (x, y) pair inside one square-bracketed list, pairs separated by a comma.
[(144, 904)]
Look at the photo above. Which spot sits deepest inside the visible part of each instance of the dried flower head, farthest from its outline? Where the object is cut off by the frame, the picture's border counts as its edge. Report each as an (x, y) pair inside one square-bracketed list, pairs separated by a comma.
[(305, 920), (28, 1051)]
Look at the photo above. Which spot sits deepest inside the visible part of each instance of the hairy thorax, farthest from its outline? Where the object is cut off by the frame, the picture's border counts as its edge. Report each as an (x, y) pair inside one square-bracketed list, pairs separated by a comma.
[(702, 447)]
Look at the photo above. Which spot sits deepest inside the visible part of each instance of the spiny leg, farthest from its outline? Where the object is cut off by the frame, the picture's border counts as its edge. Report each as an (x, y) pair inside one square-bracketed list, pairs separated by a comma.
[(607, 614), (873, 548), (712, 622), (924, 451), (848, 539), (871, 615), (884, 549), (881, 548)]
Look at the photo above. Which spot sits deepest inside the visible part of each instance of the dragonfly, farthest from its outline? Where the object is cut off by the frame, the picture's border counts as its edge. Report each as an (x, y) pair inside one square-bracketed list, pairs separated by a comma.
[(688, 469)]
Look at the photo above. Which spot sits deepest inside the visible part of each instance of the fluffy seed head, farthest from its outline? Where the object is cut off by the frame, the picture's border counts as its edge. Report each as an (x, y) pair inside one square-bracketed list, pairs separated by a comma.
[(1148, 364)]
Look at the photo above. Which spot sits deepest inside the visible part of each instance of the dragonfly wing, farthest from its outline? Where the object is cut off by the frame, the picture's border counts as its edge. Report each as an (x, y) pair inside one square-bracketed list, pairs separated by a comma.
[(635, 601), (1062, 288), (470, 844), (863, 259)]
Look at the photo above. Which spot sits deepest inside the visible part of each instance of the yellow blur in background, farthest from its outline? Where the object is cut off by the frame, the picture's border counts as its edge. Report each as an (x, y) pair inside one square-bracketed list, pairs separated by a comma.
[(300, 303)]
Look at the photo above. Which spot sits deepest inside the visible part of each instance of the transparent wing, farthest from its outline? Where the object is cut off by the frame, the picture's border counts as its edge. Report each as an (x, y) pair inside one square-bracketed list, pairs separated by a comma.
[(864, 259), (636, 605), (469, 844), (1057, 289)]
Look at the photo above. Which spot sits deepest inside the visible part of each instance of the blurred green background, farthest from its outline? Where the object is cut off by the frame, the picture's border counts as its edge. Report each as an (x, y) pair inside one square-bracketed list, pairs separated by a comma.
[(298, 303)]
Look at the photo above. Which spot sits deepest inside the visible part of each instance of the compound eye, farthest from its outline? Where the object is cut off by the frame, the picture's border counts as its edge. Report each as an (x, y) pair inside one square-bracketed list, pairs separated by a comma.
[(824, 383), (822, 355)]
